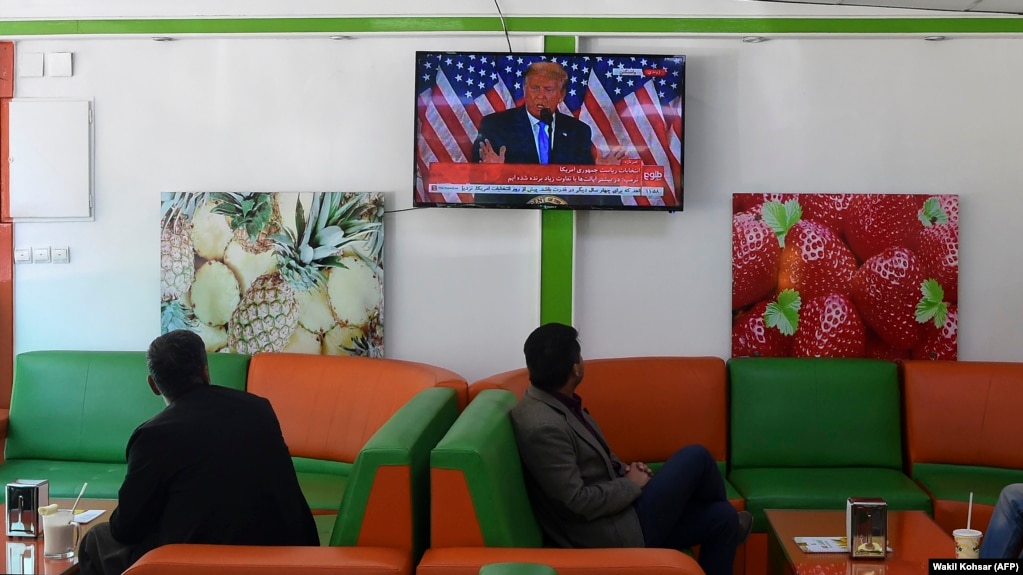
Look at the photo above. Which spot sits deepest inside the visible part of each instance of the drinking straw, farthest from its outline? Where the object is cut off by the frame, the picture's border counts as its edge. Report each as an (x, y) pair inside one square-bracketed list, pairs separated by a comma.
[(969, 511), (86, 484)]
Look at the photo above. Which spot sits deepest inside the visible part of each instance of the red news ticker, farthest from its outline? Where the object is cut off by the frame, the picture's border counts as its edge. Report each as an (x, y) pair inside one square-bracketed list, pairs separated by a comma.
[(655, 72)]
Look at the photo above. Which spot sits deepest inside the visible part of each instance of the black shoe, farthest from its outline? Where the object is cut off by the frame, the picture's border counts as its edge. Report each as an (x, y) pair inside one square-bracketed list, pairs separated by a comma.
[(745, 526)]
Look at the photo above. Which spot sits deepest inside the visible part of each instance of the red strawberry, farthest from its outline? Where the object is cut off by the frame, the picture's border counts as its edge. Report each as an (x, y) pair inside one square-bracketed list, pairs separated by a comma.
[(814, 261), (828, 209), (753, 337), (939, 256), (940, 342), (875, 222), (755, 253), (829, 327), (746, 202), (877, 349), (937, 243), (886, 290)]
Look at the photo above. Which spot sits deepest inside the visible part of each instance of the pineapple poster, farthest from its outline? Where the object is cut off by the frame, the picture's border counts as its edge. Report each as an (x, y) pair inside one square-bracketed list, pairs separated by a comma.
[(295, 272), (845, 275)]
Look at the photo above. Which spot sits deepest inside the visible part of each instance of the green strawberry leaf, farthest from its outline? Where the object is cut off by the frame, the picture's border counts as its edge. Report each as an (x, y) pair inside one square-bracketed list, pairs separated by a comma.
[(781, 217), (932, 213), (784, 313), (931, 306)]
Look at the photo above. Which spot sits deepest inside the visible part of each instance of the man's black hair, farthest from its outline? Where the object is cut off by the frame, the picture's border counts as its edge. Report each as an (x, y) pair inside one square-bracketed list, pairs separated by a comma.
[(177, 362), (551, 351)]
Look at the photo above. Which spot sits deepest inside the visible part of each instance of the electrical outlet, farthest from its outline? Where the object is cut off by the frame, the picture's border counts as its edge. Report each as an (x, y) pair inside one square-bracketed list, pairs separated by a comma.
[(60, 255), (41, 255), (22, 255)]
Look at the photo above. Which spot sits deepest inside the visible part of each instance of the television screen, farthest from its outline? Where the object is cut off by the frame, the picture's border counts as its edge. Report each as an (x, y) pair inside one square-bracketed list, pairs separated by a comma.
[(530, 130)]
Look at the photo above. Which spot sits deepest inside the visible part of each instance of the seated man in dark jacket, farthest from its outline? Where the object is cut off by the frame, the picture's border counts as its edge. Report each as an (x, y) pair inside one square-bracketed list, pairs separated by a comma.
[(584, 496), (210, 468)]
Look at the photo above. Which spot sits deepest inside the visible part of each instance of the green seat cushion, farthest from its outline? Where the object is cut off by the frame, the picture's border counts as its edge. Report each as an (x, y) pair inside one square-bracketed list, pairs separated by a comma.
[(322, 482), (824, 488), (517, 569), (324, 526), (66, 477), (956, 482)]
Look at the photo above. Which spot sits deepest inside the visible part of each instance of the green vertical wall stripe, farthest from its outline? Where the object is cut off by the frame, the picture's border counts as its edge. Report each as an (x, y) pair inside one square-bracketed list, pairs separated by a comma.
[(518, 24), (557, 239)]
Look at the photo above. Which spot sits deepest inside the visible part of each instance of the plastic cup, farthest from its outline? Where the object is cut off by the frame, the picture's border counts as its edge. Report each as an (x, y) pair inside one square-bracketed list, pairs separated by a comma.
[(967, 543)]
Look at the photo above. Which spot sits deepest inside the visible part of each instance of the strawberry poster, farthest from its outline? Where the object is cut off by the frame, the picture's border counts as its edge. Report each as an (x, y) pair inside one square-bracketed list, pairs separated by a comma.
[(845, 275), (251, 272)]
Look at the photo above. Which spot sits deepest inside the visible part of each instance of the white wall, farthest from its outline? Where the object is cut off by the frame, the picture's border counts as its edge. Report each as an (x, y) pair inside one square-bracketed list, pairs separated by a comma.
[(306, 114)]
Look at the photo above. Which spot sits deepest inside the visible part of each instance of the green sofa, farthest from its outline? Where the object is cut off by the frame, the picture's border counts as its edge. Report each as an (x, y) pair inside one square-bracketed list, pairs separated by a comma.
[(72, 413), (809, 433)]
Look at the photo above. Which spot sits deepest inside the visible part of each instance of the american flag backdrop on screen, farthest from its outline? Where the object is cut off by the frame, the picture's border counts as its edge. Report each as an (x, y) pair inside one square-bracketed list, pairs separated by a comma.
[(641, 114)]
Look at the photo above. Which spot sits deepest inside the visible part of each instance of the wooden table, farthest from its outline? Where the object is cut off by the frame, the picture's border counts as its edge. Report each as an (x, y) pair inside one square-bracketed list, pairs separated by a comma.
[(912, 535), (25, 554)]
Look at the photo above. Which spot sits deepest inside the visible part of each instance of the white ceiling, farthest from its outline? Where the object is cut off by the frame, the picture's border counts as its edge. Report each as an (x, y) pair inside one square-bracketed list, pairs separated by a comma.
[(978, 6)]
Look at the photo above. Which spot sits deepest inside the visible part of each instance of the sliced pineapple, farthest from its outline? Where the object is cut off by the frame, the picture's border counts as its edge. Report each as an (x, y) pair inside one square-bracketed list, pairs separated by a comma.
[(215, 338), (341, 339), (303, 341), (210, 232), (215, 293), (355, 291), (314, 312), (248, 265)]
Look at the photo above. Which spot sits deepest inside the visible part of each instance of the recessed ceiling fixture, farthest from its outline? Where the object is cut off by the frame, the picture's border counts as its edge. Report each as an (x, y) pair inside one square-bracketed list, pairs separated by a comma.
[(935, 38), (162, 39), (340, 37), (754, 39)]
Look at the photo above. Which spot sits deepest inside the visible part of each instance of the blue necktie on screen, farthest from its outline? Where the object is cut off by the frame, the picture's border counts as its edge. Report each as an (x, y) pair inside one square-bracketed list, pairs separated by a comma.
[(544, 143)]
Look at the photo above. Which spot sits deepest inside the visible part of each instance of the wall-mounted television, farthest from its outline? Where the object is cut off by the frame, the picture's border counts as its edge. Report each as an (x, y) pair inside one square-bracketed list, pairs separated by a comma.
[(545, 130)]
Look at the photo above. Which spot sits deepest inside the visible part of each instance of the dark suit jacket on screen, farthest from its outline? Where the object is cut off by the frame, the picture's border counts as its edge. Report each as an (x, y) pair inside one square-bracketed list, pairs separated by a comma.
[(211, 468), (512, 128), (578, 498)]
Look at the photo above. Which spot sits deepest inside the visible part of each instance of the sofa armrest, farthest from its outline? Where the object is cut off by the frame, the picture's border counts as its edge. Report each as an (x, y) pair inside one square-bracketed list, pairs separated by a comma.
[(270, 560), (633, 561), (386, 500)]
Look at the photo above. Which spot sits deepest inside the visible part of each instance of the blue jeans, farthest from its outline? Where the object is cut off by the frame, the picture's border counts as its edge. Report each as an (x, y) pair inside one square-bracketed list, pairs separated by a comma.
[(1005, 532), (684, 504)]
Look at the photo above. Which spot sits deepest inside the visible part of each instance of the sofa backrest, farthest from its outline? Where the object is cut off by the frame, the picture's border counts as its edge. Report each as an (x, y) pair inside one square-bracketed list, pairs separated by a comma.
[(647, 407), (329, 406), (84, 405), (963, 412), (477, 491), (814, 412)]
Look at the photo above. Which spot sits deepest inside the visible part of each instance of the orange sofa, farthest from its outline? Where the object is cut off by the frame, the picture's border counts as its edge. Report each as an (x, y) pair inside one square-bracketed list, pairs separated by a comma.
[(963, 430), (649, 407), (480, 513), (361, 431)]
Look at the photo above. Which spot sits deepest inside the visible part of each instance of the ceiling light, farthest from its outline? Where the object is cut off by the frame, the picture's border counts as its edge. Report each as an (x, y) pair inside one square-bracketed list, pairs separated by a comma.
[(340, 37), (162, 39), (754, 39), (935, 38)]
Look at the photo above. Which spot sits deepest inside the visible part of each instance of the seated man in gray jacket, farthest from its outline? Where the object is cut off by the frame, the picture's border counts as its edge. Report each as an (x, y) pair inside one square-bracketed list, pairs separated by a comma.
[(584, 496)]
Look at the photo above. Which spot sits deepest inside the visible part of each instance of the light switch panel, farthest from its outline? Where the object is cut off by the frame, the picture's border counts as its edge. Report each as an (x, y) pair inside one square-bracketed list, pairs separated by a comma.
[(58, 64), (22, 255), (41, 255), (60, 255)]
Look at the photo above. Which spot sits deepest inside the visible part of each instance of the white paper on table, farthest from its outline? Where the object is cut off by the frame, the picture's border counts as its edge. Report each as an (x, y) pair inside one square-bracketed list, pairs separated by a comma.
[(87, 516)]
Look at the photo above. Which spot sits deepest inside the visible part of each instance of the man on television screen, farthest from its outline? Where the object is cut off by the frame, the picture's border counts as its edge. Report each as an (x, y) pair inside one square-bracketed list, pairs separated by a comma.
[(536, 133)]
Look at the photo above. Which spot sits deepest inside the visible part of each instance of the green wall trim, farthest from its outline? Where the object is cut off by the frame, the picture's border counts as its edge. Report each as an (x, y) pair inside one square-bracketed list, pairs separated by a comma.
[(522, 24), (557, 239)]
